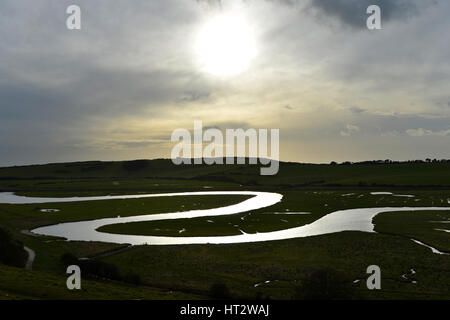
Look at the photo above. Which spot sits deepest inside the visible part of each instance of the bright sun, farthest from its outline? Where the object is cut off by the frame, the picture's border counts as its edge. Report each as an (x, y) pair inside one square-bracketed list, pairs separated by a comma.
[(225, 46)]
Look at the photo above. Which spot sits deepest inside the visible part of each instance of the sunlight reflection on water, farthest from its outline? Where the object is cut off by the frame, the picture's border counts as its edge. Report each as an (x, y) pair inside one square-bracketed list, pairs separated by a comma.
[(337, 221)]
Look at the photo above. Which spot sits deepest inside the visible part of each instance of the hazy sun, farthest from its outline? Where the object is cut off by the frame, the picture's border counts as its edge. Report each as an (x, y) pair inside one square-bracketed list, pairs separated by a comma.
[(226, 45)]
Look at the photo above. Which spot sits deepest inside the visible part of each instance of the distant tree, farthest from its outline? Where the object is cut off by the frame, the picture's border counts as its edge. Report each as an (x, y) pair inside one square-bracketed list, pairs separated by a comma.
[(12, 252)]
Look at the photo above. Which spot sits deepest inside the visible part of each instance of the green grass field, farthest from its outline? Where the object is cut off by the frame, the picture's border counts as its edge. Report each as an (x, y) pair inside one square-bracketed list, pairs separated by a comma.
[(310, 205), (189, 271)]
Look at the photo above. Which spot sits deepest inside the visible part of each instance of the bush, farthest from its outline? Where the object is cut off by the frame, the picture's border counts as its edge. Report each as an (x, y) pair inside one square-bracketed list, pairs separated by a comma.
[(68, 259), (11, 251)]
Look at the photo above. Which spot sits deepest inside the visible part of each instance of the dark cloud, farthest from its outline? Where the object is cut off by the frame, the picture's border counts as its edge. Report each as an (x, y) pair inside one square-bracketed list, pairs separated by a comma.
[(194, 96), (112, 67), (65, 95), (96, 92), (353, 12), (382, 124)]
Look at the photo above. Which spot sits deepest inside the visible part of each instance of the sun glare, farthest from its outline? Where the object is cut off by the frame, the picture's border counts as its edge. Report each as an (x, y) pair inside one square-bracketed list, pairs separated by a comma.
[(225, 45)]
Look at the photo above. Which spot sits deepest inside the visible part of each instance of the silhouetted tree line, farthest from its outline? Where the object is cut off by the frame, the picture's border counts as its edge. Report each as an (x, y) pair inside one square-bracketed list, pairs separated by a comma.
[(11, 251), (388, 161), (99, 269)]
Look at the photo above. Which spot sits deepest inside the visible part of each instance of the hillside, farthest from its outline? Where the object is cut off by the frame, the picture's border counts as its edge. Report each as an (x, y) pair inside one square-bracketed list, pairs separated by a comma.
[(139, 174)]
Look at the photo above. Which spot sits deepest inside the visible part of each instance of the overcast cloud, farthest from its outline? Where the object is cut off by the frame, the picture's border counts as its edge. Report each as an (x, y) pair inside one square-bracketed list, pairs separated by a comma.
[(117, 88)]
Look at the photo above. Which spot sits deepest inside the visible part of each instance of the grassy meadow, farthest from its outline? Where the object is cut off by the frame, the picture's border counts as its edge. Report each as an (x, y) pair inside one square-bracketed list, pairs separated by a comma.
[(275, 270)]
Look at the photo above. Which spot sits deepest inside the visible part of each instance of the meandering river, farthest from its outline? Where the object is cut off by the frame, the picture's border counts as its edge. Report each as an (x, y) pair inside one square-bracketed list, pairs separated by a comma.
[(337, 221)]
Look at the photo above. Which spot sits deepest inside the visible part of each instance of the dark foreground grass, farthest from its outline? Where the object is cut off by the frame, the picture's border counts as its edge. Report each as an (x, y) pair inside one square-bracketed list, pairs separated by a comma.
[(430, 227), (289, 263), (17, 283)]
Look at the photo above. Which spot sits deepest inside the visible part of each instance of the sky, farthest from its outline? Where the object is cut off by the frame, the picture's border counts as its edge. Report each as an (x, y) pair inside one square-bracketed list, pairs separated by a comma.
[(137, 70)]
